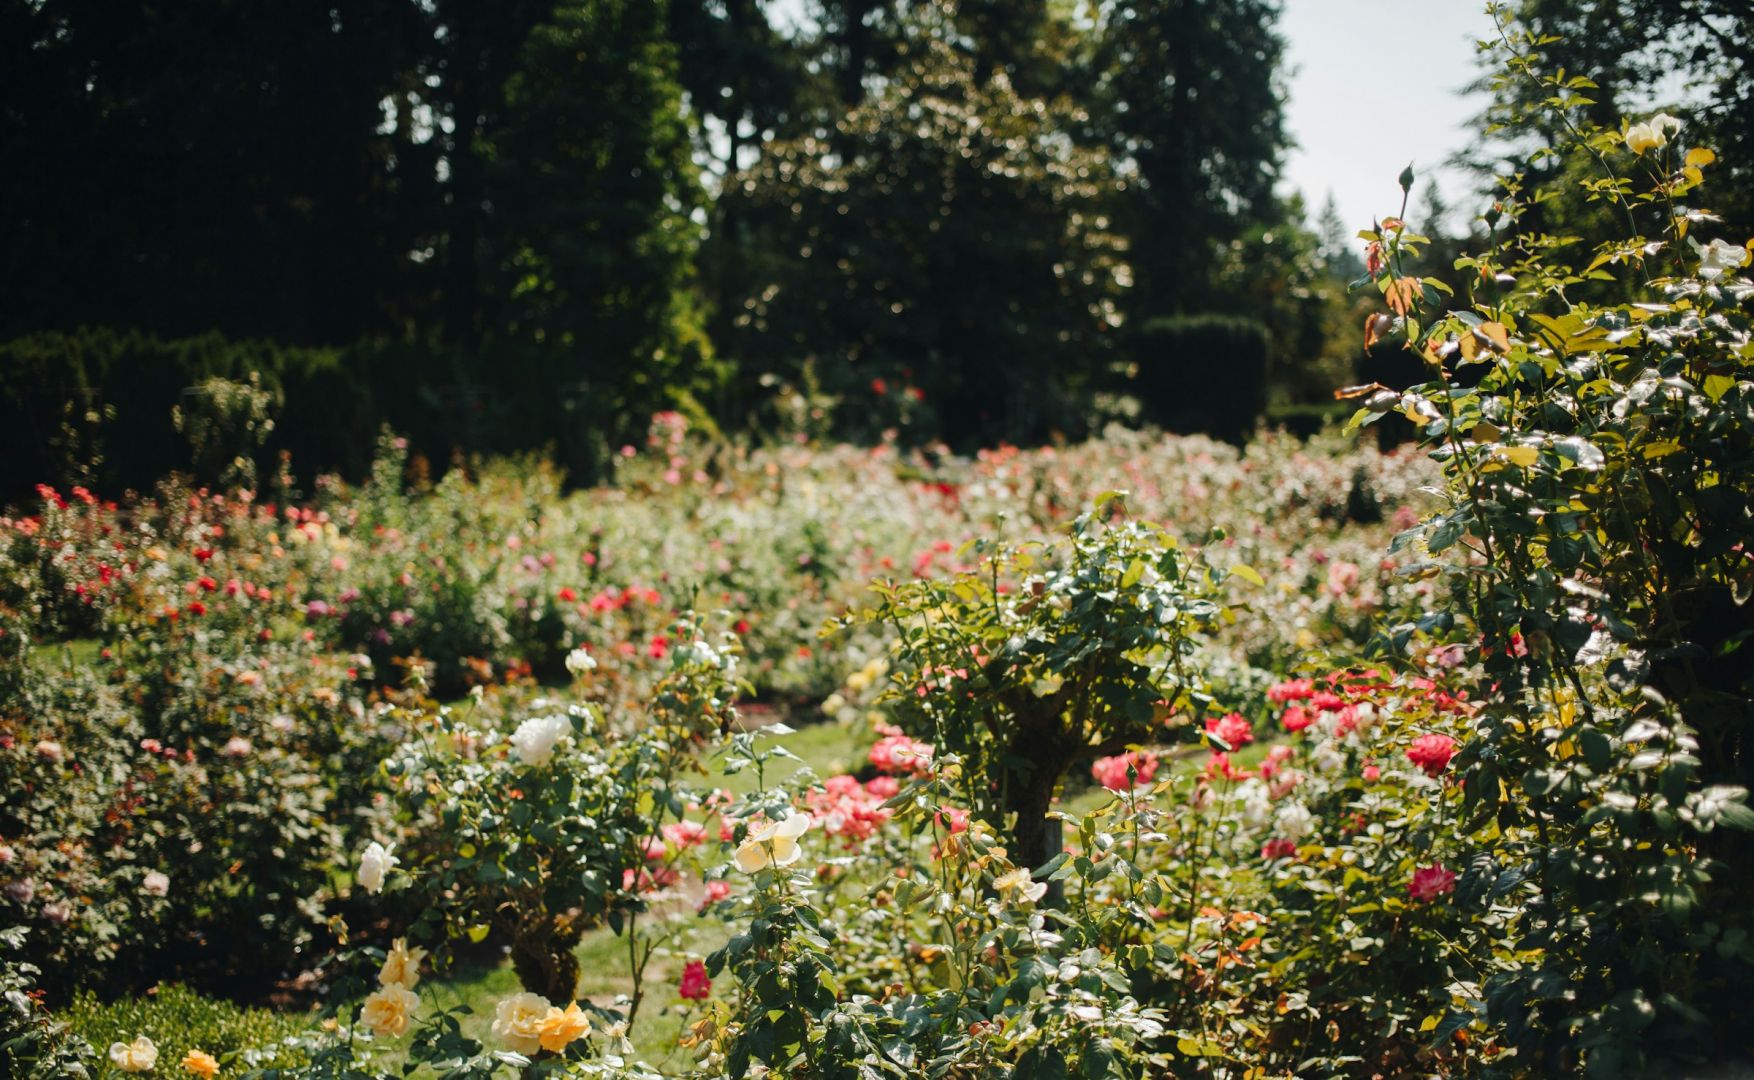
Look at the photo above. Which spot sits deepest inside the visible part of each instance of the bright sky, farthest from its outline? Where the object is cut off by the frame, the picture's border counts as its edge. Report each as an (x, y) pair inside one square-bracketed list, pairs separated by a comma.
[(1375, 84)]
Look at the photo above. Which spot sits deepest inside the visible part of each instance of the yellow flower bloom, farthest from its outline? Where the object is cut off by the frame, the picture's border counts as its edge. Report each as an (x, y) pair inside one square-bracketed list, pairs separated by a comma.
[(561, 1026), (200, 1063), (1653, 135), (134, 1057), (389, 1010), (774, 843), (401, 966), (518, 1020)]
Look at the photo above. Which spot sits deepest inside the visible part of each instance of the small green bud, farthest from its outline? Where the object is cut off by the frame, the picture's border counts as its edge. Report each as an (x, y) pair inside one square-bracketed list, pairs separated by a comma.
[(1407, 178)]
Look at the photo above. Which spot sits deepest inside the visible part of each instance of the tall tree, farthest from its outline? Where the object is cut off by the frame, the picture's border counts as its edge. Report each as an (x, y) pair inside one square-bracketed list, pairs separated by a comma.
[(945, 237), (206, 164), (593, 189), (1191, 91)]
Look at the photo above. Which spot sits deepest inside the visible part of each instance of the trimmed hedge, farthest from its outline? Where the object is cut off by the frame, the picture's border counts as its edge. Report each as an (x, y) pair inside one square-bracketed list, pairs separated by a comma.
[(67, 400), (1202, 374)]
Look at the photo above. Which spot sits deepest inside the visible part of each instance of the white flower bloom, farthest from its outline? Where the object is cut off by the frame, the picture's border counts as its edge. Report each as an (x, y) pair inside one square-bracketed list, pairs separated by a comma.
[(155, 883), (773, 843), (1718, 258), (536, 737), (134, 1057), (1257, 805), (1653, 134), (1295, 821), (1327, 757), (1021, 882), (374, 863), (579, 661)]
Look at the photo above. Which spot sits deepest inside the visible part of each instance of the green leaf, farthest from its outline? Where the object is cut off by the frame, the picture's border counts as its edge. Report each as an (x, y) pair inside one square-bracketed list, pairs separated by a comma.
[(1248, 573)]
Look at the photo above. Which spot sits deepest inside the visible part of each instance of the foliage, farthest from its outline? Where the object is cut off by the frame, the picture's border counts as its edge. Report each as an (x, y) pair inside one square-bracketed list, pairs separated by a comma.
[(32, 1043), (1036, 658), (1597, 472), (178, 1020), (1008, 339), (1189, 91)]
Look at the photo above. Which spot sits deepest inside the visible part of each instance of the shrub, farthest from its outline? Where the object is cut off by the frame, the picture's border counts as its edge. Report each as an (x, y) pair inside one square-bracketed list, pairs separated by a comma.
[(1599, 473), (178, 1020), (1202, 374)]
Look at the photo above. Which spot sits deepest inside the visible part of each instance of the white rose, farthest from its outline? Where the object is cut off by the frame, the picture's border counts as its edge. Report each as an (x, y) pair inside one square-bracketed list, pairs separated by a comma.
[(374, 863), (134, 1057), (1718, 258), (1295, 821), (579, 661), (773, 843), (155, 883), (536, 737)]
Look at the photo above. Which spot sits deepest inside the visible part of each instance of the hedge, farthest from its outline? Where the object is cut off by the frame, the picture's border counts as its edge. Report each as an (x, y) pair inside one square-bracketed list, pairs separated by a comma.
[(1201, 374)]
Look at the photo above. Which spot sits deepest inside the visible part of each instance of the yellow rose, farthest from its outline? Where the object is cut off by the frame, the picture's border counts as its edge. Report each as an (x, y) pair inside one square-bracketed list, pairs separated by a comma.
[(773, 843), (401, 965), (388, 1011), (134, 1057), (517, 1022), (562, 1026), (200, 1063)]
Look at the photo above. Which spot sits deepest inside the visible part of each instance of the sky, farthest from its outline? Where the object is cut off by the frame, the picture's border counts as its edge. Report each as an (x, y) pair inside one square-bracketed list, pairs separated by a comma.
[(1373, 85)]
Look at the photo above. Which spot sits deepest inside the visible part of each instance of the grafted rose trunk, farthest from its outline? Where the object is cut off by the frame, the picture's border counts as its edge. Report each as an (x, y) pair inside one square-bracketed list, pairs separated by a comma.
[(545, 963)]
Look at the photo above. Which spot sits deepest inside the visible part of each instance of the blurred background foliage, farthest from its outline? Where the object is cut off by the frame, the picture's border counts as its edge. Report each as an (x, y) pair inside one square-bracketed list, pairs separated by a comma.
[(530, 224)]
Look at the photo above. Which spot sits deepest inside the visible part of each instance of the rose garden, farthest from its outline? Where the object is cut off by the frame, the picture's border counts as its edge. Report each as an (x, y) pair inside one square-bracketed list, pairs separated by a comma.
[(1133, 755)]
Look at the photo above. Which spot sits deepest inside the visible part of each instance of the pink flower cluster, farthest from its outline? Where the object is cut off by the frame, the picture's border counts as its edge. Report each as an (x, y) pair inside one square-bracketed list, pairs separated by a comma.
[(851, 810), (898, 755), (1111, 772)]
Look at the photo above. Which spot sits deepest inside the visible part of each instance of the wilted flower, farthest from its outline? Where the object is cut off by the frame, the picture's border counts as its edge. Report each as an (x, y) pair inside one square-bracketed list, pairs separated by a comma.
[(389, 1010), (517, 1021), (134, 1057), (1022, 883), (374, 863), (535, 739)]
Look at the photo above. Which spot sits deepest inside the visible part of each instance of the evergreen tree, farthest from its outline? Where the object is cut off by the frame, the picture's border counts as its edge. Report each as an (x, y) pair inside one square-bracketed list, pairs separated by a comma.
[(1191, 92)]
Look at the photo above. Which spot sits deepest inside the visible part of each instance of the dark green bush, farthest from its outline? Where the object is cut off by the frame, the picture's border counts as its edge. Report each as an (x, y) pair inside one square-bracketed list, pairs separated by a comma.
[(1202, 374), (94, 407)]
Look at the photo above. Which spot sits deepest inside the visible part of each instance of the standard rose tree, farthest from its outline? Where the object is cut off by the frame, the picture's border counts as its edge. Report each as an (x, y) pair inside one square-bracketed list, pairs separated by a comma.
[(1047, 654)]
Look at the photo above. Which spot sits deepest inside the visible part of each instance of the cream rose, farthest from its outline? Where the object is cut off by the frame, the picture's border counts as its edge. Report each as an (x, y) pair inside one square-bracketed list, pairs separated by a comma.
[(374, 863), (773, 843), (401, 966), (389, 1010), (134, 1057), (517, 1022)]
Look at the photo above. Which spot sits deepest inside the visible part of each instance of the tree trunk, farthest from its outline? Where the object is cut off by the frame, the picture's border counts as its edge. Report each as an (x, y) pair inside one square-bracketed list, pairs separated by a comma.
[(1030, 798), (545, 963)]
